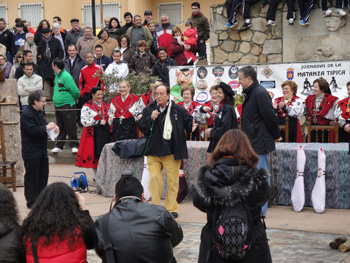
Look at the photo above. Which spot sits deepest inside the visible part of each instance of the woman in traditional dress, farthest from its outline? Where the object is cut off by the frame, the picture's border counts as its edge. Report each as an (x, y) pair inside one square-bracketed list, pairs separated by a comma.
[(290, 105), (225, 118), (124, 125), (190, 105), (343, 113), (212, 106), (96, 132), (320, 107)]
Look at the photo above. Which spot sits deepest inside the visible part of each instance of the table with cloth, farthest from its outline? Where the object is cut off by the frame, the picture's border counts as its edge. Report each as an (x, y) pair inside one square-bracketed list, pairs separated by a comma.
[(284, 168), (110, 167)]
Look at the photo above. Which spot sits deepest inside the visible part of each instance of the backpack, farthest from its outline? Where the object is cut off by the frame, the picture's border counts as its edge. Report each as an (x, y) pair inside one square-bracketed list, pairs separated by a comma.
[(232, 232)]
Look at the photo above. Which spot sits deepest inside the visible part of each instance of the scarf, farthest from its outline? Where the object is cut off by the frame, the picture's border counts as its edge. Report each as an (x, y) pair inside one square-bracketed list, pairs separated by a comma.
[(75, 30), (179, 40), (32, 47), (168, 128), (47, 53)]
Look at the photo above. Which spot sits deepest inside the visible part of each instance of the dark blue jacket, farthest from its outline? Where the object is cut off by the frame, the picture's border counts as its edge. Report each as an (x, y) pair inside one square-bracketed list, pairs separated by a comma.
[(104, 61), (33, 133), (259, 119)]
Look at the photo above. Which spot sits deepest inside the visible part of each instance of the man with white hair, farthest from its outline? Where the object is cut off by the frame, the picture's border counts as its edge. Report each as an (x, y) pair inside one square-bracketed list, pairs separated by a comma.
[(164, 33), (30, 45), (59, 35)]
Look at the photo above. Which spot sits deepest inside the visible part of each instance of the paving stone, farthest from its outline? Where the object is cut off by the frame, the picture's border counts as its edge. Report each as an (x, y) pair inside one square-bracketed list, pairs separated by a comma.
[(285, 246)]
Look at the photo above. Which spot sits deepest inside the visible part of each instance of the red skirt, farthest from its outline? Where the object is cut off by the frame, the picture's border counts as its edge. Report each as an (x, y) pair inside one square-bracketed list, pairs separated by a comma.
[(86, 155)]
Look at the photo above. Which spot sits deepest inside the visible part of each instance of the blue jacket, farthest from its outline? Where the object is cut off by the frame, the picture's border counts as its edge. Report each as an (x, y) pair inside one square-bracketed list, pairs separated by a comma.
[(18, 41), (104, 61)]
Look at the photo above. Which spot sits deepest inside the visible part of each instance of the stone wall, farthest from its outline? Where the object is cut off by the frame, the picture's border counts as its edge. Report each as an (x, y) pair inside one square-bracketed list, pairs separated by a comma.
[(9, 114), (325, 38)]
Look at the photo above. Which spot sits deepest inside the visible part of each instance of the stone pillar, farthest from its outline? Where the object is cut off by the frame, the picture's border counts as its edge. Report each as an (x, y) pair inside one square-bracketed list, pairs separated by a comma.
[(10, 115)]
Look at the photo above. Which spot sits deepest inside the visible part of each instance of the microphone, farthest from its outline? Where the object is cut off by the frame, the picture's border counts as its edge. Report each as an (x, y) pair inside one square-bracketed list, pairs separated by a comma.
[(158, 108)]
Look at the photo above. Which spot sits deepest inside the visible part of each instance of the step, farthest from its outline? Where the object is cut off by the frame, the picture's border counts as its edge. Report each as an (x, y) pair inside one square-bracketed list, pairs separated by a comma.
[(64, 157)]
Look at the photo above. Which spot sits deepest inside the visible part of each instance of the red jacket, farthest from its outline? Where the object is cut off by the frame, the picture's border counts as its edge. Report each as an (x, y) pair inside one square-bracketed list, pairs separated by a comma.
[(190, 36), (177, 51), (87, 80), (58, 252), (164, 35)]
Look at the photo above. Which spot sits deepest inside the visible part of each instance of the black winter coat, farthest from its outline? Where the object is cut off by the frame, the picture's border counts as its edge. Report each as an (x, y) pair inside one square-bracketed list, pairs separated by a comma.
[(33, 134), (224, 185), (79, 63), (140, 232), (224, 120), (6, 39), (161, 69), (10, 245), (45, 64), (181, 120), (259, 119)]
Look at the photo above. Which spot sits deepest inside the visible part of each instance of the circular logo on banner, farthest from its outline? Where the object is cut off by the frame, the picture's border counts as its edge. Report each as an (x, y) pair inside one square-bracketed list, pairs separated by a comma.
[(234, 84), (271, 94), (202, 73), (233, 72), (202, 97), (218, 71), (202, 84)]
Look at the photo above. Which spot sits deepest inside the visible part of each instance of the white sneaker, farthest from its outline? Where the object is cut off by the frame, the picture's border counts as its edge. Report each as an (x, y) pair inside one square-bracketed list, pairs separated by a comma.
[(270, 23), (56, 150), (291, 21), (74, 150), (340, 11), (328, 12)]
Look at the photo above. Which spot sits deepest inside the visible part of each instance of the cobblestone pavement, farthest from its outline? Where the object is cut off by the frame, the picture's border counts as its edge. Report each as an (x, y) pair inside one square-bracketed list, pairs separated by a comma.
[(286, 247)]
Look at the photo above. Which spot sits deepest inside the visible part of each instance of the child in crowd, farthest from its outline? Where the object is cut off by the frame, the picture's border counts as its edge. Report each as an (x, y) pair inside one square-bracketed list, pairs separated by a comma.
[(152, 27), (190, 38)]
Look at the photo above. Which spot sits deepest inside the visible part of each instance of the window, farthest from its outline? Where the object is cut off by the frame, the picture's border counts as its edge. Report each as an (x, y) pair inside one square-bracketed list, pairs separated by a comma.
[(109, 9), (3, 12), (173, 10), (32, 12)]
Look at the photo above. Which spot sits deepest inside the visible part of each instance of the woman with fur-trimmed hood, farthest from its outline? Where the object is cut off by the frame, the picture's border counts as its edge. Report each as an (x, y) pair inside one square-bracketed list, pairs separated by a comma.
[(230, 176)]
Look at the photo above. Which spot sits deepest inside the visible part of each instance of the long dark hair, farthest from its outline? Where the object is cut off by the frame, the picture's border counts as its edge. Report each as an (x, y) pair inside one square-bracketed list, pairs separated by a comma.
[(110, 23), (235, 143), (56, 212), (9, 216), (40, 26)]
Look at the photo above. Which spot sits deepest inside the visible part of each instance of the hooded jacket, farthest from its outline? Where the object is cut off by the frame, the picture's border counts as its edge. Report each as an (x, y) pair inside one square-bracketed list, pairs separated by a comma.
[(224, 185)]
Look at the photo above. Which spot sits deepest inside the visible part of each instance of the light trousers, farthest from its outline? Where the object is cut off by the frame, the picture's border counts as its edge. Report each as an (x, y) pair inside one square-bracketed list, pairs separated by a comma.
[(155, 185)]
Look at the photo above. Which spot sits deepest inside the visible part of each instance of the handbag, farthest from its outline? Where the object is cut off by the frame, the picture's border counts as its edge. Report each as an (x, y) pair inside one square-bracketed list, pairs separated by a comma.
[(130, 148)]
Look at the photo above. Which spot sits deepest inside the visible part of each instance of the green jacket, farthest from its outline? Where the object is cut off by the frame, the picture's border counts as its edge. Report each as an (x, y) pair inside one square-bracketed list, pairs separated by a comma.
[(65, 90), (202, 24)]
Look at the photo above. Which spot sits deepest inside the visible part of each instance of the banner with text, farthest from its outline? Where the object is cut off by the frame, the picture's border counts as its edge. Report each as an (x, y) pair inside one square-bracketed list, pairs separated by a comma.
[(270, 76)]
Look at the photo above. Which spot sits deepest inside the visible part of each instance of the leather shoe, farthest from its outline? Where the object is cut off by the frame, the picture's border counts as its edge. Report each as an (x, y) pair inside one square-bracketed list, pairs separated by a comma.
[(174, 214)]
